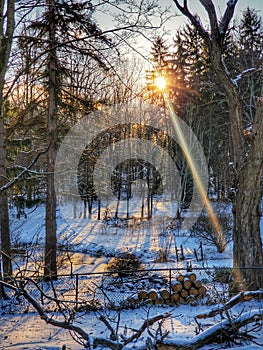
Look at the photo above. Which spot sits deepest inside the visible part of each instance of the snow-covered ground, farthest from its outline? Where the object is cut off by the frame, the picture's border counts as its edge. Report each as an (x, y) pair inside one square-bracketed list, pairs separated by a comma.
[(28, 331), (91, 242)]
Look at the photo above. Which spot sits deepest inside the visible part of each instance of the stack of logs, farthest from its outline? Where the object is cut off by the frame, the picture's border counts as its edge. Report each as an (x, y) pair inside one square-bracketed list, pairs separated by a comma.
[(185, 289)]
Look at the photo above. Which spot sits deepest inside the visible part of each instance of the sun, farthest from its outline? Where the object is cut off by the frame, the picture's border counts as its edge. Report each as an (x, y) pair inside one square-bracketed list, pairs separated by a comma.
[(160, 82)]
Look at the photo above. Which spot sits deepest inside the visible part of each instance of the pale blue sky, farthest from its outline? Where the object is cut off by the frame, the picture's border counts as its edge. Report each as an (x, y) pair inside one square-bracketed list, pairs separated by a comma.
[(144, 46), (220, 5)]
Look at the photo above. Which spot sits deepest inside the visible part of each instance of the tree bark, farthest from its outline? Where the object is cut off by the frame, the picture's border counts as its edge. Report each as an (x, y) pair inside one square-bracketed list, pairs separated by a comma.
[(50, 268), (247, 214), (248, 162), (6, 37)]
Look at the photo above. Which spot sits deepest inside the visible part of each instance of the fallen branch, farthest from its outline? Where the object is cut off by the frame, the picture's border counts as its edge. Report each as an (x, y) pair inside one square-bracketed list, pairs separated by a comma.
[(67, 324), (213, 333), (241, 297), (146, 324)]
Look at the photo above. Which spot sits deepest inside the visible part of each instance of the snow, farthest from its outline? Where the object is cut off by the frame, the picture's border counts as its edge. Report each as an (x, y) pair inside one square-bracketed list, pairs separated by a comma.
[(92, 243), (27, 331)]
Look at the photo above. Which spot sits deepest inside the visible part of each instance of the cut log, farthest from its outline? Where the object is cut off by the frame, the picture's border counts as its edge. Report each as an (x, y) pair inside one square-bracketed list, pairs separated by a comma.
[(191, 276), (180, 278), (193, 291), (159, 300), (165, 294), (142, 295), (202, 290), (132, 300), (175, 297), (184, 293), (177, 286), (153, 295), (190, 299), (198, 284), (187, 284)]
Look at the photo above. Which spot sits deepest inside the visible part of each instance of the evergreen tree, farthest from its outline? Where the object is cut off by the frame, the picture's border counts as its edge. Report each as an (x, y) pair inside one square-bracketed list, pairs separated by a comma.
[(250, 44), (164, 67), (63, 29)]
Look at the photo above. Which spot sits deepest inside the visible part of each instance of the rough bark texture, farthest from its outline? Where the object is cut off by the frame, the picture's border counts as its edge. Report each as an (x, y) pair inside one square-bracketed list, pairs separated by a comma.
[(248, 159), (247, 210), (51, 234), (6, 36)]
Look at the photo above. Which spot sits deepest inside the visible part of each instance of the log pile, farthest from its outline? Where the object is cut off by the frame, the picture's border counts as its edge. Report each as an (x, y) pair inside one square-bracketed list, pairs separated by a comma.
[(185, 289)]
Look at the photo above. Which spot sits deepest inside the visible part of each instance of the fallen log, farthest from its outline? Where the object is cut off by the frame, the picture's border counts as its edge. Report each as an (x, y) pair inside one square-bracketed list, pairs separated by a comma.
[(213, 333), (241, 297)]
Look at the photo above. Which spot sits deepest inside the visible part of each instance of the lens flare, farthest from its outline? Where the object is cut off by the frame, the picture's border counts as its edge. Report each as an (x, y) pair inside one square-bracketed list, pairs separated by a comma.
[(191, 163), (160, 82)]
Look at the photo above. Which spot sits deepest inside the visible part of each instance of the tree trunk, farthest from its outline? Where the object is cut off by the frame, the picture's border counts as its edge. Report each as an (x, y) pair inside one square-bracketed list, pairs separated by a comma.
[(7, 8), (50, 269), (248, 161), (247, 213)]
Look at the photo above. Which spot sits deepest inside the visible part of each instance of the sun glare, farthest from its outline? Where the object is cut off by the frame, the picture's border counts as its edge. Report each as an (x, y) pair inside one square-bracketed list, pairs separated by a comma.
[(160, 82)]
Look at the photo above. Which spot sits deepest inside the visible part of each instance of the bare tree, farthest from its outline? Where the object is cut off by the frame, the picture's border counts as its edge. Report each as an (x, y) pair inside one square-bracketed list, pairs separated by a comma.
[(247, 157), (120, 335), (51, 227), (7, 25)]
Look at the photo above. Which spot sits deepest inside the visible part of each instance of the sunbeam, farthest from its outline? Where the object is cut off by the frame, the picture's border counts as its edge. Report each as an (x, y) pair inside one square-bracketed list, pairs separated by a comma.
[(191, 163)]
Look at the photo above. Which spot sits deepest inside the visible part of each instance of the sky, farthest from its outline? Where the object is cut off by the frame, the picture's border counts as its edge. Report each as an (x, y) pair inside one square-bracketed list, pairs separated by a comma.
[(143, 44), (220, 5)]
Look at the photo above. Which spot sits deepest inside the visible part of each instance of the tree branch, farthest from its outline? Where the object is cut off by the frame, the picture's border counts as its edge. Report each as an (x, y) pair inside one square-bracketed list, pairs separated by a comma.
[(231, 4), (210, 9), (25, 170), (241, 297), (146, 324), (194, 20), (213, 333)]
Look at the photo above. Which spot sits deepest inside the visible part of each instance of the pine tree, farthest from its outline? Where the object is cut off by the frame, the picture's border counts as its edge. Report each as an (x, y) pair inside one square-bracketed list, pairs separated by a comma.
[(164, 67), (63, 29), (250, 42)]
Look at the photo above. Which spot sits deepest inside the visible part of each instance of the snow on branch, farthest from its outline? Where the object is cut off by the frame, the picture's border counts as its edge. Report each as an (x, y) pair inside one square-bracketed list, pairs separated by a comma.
[(115, 341), (210, 335), (24, 171), (241, 297), (241, 75)]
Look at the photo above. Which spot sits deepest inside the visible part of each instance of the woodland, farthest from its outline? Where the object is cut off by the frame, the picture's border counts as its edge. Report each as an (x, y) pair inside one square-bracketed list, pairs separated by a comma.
[(62, 62)]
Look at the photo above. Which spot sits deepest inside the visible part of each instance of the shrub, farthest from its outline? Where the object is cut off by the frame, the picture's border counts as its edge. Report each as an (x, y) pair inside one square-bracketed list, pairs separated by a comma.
[(203, 228), (223, 275), (125, 264)]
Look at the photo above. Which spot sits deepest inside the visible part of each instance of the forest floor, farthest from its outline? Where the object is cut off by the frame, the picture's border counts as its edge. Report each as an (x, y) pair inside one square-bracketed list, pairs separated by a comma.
[(90, 243)]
